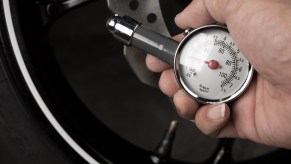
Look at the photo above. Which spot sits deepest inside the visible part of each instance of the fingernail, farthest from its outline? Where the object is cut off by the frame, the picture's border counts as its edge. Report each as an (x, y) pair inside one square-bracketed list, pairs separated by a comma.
[(217, 112)]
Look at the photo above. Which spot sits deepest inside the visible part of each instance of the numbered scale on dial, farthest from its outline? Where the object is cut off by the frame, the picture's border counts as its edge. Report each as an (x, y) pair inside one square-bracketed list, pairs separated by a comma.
[(207, 63), (210, 67)]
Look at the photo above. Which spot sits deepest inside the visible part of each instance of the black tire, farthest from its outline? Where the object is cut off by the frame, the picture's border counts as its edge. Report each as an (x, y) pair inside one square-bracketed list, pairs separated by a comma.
[(42, 120), (26, 134)]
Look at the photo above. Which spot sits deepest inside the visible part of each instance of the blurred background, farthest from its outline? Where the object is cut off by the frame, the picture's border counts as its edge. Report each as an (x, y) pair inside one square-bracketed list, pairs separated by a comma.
[(94, 64)]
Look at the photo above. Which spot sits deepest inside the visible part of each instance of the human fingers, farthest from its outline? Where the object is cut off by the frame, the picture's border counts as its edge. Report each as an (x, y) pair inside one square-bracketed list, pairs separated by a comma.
[(155, 64), (215, 120), (202, 12), (194, 15), (168, 83), (185, 105)]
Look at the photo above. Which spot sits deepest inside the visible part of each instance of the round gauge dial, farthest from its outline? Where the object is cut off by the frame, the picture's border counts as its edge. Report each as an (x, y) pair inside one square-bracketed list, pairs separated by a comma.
[(210, 67)]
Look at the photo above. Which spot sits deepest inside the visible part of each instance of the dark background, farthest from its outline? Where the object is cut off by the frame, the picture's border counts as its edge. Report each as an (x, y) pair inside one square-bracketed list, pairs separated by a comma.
[(94, 65)]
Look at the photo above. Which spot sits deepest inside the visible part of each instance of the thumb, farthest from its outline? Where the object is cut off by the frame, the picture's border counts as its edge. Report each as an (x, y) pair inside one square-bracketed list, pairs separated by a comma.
[(194, 15), (212, 119), (202, 12)]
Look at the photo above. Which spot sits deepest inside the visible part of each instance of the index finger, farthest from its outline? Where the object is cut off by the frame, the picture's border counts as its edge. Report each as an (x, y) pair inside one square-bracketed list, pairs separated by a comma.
[(194, 15), (203, 12)]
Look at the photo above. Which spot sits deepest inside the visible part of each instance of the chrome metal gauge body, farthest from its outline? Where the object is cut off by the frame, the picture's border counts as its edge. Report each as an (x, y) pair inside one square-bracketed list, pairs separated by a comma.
[(210, 66), (207, 63)]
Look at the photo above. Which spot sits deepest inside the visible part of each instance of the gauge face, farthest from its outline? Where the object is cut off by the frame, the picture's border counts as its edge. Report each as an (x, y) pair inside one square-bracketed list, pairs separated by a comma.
[(210, 67)]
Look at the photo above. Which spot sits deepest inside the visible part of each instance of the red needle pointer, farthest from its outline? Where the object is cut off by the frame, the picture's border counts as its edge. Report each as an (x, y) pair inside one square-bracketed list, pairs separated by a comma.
[(213, 64)]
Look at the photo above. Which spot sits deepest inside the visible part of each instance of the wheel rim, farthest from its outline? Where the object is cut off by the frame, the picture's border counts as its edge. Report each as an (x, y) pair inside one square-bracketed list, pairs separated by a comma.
[(34, 91), (64, 129)]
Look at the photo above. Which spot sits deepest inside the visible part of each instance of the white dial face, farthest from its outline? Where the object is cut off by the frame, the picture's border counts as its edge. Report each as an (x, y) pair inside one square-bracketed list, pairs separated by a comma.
[(211, 66)]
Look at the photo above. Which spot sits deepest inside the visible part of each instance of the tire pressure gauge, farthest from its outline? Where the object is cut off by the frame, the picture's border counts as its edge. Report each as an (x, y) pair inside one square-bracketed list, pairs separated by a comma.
[(207, 63)]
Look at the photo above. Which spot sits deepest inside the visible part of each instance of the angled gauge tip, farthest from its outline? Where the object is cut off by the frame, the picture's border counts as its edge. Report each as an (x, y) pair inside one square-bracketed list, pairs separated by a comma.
[(111, 23), (122, 28)]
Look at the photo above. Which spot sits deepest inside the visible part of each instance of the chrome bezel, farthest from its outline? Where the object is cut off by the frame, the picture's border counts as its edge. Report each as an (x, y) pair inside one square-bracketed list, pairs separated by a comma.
[(184, 86)]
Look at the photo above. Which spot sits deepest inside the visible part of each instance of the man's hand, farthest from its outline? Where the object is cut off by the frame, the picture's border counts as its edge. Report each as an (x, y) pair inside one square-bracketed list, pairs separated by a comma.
[(262, 31)]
